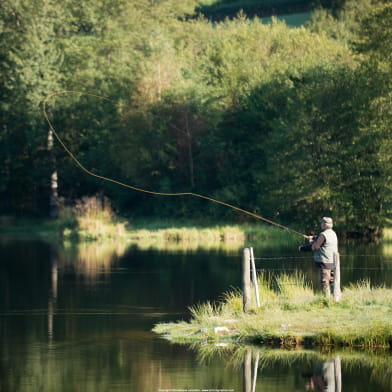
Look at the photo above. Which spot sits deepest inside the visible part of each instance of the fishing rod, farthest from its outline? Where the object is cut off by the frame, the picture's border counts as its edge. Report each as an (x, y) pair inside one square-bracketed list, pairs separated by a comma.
[(108, 179)]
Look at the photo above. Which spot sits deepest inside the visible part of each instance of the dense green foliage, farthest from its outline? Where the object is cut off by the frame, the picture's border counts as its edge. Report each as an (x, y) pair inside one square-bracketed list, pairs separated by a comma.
[(288, 123)]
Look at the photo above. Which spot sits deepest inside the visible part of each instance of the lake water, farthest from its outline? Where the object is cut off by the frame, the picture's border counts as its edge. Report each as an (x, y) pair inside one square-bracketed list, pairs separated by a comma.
[(78, 317)]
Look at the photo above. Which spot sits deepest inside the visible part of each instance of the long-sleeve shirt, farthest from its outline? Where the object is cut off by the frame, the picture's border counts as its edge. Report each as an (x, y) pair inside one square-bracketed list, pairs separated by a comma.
[(319, 242)]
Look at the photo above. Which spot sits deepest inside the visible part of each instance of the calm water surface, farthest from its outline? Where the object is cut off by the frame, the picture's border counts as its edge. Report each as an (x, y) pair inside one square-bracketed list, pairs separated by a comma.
[(79, 318)]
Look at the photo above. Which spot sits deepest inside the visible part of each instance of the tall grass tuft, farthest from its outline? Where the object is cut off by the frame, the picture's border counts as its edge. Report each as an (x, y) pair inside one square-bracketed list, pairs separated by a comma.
[(231, 303), (204, 312), (294, 288), (91, 218)]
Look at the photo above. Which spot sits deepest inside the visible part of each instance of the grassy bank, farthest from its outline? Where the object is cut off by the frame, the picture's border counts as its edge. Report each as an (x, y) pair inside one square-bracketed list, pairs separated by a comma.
[(164, 235), (147, 233), (92, 219), (291, 314), (99, 227)]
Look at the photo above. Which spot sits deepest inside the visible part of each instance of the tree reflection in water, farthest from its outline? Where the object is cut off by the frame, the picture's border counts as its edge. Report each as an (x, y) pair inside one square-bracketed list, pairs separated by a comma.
[(82, 313), (315, 370)]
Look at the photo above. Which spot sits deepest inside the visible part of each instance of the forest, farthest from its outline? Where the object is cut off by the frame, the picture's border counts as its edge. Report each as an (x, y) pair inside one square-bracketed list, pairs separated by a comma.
[(199, 96)]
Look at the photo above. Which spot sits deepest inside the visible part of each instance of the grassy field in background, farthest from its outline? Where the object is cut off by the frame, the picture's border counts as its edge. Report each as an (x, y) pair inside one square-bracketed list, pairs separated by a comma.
[(102, 226), (295, 20), (92, 220), (219, 8)]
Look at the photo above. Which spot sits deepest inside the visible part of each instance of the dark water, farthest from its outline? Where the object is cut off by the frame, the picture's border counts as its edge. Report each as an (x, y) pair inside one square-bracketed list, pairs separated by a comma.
[(79, 318)]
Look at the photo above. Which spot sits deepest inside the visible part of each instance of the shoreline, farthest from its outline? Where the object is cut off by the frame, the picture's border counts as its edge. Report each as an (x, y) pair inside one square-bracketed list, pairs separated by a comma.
[(96, 228), (291, 316), (101, 229)]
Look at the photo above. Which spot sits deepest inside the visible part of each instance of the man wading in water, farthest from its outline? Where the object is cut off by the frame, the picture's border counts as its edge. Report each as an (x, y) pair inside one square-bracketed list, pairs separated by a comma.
[(324, 246)]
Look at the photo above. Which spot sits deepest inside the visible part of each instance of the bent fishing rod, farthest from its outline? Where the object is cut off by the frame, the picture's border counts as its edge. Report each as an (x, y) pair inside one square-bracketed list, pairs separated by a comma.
[(108, 179)]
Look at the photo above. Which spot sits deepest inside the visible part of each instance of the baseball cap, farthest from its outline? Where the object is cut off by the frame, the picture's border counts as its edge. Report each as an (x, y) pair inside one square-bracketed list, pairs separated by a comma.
[(327, 220)]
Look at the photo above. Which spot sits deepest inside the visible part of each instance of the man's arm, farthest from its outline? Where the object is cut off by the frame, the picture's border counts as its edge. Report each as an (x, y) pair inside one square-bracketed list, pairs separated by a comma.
[(318, 243), (307, 248), (315, 242)]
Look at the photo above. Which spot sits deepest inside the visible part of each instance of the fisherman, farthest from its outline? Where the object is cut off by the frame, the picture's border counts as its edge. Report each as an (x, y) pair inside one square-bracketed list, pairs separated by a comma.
[(327, 377), (324, 246)]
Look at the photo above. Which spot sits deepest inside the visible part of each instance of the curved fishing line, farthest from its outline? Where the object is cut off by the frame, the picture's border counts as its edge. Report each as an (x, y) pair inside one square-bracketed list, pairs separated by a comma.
[(80, 165)]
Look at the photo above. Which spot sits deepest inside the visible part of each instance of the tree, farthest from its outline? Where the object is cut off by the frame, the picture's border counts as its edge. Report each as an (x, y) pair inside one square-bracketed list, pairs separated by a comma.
[(30, 58)]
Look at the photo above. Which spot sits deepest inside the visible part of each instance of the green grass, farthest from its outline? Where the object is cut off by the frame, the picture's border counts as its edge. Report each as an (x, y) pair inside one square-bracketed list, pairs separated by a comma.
[(295, 20), (90, 219), (387, 234), (291, 314)]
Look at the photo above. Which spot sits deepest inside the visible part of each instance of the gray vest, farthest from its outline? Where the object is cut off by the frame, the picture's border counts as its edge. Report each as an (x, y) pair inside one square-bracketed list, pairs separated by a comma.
[(330, 246)]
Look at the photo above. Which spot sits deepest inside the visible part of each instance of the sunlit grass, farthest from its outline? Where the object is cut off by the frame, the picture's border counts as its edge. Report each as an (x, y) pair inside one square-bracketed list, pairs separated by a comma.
[(94, 219), (291, 313), (185, 236), (178, 233), (387, 234)]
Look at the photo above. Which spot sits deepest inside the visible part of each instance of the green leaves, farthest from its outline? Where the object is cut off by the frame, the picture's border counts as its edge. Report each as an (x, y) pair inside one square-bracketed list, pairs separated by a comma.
[(285, 122)]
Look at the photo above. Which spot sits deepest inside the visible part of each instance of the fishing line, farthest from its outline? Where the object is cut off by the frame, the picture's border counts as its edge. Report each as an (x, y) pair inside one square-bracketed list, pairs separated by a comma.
[(80, 165)]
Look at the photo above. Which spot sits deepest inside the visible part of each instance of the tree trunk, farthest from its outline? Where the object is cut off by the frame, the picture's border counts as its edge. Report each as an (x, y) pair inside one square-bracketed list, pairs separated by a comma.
[(190, 153), (54, 195)]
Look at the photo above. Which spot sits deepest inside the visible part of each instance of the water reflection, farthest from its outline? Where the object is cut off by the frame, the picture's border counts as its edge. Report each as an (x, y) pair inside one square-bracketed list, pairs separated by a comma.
[(53, 290), (249, 378), (78, 317), (327, 376), (92, 259), (300, 369)]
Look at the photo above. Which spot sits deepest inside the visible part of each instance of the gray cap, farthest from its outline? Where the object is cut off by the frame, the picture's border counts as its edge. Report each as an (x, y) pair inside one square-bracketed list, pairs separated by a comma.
[(328, 221)]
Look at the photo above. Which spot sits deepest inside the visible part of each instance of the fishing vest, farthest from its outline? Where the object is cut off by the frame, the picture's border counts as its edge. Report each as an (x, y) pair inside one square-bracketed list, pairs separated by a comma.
[(330, 246)]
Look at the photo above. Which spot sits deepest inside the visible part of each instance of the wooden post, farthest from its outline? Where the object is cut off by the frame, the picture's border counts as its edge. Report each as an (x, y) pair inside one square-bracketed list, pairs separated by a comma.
[(54, 193), (246, 279), (247, 380), (254, 277), (255, 368), (53, 294), (336, 285), (338, 374)]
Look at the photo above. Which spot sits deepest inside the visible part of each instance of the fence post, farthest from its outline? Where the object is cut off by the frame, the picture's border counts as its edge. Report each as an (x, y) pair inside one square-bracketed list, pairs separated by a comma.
[(254, 277), (247, 372), (336, 285), (246, 279), (338, 374), (255, 368)]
